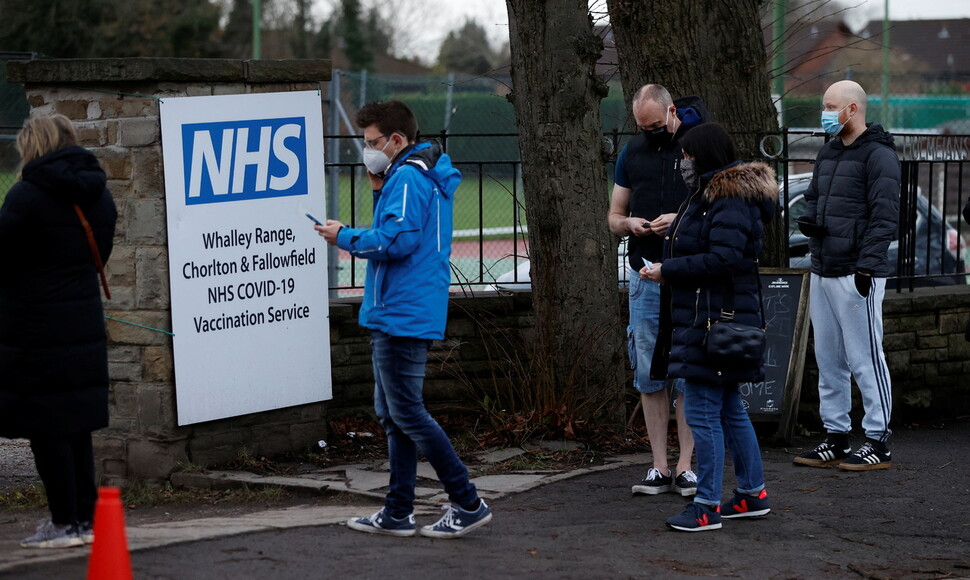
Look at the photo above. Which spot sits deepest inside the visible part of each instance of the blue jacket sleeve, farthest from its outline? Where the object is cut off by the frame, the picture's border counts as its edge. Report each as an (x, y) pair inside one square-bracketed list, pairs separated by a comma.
[(396, 231)]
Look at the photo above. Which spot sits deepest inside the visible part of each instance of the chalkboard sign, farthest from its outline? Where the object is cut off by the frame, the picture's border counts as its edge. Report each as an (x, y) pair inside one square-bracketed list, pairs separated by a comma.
[(785, 295)]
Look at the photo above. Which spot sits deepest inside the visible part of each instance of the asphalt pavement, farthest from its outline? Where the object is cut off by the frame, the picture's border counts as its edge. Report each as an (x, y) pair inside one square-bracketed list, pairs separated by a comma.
[(911, 521)]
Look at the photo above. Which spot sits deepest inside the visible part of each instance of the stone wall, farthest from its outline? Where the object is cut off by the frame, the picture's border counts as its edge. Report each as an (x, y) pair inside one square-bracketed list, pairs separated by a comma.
[(114, 104), (927, 354)]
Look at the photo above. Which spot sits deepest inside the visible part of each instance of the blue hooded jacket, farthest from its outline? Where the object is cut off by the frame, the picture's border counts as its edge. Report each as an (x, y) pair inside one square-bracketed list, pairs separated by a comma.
[(408, 246)]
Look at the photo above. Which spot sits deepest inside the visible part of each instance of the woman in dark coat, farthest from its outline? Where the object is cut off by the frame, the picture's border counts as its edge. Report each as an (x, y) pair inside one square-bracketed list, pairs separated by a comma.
[(711, 256), (53, 346)]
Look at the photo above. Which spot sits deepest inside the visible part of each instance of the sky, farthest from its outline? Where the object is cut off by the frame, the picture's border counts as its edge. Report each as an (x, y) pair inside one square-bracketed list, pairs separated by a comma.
[(428, 26), (492, 14)]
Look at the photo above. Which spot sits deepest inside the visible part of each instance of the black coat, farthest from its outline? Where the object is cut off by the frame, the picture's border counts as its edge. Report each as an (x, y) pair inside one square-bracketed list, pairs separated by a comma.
[(715, 242), (53, 346), (854, 197)]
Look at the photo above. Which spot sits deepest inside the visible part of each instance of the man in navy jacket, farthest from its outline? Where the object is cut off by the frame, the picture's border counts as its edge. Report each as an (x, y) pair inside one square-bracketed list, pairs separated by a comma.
[(647, 192), (405, 306), (851, 217)]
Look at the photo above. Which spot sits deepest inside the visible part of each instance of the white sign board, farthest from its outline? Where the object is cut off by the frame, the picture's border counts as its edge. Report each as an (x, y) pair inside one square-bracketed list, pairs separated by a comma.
[(248, 272)]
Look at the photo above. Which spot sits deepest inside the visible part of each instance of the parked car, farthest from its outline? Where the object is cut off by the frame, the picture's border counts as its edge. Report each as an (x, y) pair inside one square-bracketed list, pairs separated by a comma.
[(938, 248), (932, 234)]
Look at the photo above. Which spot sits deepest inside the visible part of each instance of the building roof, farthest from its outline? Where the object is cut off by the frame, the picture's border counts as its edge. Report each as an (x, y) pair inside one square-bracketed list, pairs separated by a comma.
[(942, 44)]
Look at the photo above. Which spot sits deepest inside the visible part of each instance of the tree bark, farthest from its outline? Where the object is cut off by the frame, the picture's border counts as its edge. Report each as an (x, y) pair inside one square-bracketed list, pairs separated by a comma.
[(710, 48), (579, 342)]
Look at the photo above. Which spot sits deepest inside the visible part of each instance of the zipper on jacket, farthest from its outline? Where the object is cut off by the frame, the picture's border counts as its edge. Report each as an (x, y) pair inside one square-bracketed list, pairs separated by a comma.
[(697, 308)]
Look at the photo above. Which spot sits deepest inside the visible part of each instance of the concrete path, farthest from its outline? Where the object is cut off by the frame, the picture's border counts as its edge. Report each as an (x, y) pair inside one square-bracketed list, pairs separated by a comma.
[(366, 481)]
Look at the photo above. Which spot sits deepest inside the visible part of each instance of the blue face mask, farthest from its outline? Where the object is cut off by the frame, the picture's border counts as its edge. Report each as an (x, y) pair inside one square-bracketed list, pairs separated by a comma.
[(830, 121)]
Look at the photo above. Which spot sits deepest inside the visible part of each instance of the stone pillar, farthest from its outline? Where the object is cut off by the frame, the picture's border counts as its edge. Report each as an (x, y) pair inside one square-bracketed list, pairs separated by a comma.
[(114, 104)]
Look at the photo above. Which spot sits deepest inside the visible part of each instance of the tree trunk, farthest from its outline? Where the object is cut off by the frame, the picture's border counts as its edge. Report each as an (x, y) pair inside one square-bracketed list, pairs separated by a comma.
[(579, 342), (710, 48)]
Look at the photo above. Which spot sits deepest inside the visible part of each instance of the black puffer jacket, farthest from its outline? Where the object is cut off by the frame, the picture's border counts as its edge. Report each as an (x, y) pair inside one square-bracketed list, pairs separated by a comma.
[(53, 347), (715, 242), (854, 197)]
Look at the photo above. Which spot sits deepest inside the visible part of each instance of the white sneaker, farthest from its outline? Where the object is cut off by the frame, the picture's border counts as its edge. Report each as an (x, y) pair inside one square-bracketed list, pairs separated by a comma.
[(49, 535)]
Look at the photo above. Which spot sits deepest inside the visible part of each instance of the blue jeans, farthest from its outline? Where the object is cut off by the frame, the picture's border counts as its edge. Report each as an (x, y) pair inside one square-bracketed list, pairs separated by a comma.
[(642, 332), (716, 415), (399, 365)]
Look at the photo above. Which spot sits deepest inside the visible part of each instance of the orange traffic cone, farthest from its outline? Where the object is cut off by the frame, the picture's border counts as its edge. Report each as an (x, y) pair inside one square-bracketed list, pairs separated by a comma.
[(110, 559)]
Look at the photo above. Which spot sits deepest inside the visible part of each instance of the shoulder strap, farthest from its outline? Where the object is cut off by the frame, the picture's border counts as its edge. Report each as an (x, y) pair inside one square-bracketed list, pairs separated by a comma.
[(727, 307), (94, 249)]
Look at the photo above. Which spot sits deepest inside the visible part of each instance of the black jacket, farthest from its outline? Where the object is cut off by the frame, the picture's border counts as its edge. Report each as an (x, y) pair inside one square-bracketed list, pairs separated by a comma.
[(712, 248), (53, 346), (653, 166), (854, 198)]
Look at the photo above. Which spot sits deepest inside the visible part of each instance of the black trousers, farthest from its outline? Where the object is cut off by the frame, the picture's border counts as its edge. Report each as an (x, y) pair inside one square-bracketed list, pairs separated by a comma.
[(66, 466)]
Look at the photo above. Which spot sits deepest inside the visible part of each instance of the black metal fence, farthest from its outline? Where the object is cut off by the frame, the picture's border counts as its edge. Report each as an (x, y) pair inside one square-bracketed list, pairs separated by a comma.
[(490, 248)]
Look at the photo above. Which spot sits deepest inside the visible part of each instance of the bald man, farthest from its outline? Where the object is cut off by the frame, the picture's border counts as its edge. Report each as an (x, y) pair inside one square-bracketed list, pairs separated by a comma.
[(851, 217)]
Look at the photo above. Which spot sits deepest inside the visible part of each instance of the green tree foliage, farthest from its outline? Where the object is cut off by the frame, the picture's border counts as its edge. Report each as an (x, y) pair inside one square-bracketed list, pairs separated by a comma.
[(355, 41), (361, 36), (110, 28), (237, 38), (466, 50)]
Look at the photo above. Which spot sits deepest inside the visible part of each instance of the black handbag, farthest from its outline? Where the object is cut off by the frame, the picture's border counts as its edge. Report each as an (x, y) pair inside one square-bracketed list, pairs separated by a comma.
[(730, 344)]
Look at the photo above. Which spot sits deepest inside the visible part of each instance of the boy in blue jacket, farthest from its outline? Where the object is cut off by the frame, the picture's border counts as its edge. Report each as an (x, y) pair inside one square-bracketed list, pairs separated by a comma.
[(405, 306)]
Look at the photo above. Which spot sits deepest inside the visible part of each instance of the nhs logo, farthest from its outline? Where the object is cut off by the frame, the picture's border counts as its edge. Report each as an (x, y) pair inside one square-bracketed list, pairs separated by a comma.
[(241, 160)]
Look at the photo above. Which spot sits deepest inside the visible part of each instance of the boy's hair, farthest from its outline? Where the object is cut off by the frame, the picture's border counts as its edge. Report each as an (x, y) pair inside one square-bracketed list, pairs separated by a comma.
[(45, 134), (390, 117)]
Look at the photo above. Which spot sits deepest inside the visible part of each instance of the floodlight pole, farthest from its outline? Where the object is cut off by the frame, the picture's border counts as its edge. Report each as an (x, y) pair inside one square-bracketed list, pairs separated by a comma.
[(778, 60), (257, 20), (885, 65)]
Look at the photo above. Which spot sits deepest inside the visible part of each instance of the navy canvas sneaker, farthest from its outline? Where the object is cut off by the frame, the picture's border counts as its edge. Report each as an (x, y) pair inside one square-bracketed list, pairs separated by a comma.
[(383, 523), (686, 483), (746, 506), (655, 482), (697, 517), (457, 521), (872, 455)]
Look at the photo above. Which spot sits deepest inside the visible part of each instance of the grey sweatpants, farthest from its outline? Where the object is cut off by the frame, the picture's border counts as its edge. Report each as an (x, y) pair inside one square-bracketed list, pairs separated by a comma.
[(848, 343)]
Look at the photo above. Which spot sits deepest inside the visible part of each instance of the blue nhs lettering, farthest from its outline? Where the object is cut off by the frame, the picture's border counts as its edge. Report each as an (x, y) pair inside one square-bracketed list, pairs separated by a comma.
[(240, 160)]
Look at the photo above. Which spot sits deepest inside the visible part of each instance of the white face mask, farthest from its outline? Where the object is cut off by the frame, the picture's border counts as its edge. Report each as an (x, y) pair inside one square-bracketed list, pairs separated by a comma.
[(375, 160)]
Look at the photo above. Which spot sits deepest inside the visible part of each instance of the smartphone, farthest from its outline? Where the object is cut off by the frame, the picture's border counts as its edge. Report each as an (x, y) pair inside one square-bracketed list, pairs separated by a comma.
[(314, 220)]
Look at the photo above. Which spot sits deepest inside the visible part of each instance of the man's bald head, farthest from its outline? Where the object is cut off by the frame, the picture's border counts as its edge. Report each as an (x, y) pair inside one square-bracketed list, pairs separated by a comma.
[(849, 100), (843, 93)]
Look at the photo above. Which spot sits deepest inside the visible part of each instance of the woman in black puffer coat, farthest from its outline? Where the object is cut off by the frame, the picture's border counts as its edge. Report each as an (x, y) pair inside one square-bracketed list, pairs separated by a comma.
[(711, 255), (53, 346)]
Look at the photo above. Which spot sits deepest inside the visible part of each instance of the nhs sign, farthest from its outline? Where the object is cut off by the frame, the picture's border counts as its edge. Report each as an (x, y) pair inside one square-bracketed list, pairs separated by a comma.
[(245, 159)]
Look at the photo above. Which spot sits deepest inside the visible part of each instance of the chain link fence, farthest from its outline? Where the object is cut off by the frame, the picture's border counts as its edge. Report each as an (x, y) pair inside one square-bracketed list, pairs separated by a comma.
[(472, 119), (917, 102)]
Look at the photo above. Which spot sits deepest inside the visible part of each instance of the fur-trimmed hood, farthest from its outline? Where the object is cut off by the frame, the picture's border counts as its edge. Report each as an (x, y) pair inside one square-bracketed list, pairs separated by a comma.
[(750, 181), (754, 182)]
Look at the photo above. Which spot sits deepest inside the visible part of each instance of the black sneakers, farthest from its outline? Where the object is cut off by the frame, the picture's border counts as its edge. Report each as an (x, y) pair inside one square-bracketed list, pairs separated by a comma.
[(872, 455), (833, 450), (655, 482)]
